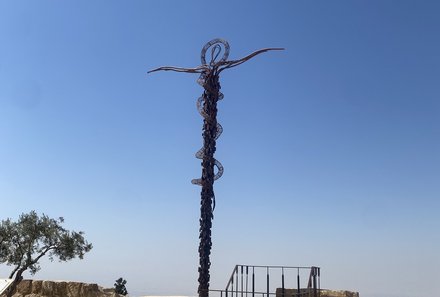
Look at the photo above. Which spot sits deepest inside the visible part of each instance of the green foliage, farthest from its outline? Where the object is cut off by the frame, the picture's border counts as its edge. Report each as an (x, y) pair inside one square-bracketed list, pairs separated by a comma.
[(25, 242), (120, 286)]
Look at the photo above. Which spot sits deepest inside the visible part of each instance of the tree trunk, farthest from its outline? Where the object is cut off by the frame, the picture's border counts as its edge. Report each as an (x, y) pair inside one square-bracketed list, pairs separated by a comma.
[(17, 279)]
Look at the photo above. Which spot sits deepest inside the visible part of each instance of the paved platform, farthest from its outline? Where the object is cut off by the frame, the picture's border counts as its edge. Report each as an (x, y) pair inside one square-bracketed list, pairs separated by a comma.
[(4, 284)]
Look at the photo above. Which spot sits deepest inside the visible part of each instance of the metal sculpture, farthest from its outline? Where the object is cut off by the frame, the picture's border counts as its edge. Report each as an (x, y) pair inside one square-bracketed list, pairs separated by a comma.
[(207, 107)]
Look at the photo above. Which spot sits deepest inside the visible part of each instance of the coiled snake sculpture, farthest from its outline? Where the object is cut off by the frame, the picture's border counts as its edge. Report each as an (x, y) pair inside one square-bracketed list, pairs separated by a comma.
[(207, 107)]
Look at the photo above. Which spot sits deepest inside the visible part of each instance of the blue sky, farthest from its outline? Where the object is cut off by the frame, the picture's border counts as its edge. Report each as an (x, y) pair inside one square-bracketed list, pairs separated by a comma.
[(330, 148)]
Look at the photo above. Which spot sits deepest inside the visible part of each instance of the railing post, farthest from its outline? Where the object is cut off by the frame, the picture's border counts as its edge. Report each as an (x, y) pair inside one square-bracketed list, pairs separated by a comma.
[(236, 283), (241, 280), (267, 281), (232, 285), (247, 278), (253, 281), (282, 281), (315, 291), (319, 281)]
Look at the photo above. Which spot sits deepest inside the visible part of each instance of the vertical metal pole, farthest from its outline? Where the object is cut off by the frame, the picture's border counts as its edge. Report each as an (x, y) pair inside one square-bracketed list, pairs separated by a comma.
[(319, 281), (247, 277), (282, 281), (253, 281), (236, 283), (232, 284), (298, 291), (267, 281), (315, 291), (241, 280)]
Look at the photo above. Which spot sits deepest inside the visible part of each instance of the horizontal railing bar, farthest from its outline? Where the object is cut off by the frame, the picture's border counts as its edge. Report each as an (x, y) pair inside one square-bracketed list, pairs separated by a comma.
[(278, 266), (249, 292), (264, 293)]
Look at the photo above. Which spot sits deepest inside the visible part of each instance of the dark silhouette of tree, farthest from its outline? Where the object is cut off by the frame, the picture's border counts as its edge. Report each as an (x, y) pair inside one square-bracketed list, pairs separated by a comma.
[(25, 242), (120, 286)]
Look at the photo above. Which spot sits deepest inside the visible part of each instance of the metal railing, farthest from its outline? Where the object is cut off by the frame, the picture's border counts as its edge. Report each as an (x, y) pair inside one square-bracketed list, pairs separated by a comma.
[(267, 281)]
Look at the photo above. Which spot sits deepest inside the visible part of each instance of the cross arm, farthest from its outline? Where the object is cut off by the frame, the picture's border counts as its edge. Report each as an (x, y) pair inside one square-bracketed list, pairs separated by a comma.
[(233, 63), (198, 69)]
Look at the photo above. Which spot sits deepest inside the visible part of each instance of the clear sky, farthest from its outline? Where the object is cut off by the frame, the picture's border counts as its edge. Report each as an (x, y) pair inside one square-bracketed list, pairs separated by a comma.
[(331, 148)]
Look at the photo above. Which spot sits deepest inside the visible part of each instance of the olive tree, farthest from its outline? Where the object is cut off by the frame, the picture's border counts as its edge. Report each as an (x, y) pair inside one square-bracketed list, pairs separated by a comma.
[(24, 242)]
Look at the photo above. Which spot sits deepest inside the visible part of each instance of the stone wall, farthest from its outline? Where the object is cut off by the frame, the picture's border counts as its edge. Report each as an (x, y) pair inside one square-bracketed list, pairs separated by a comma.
[(38, 288), (322, 293)]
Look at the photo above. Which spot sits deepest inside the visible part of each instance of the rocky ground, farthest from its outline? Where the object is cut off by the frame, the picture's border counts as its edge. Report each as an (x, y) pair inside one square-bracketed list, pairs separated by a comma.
[(39, 288), (322, 293)]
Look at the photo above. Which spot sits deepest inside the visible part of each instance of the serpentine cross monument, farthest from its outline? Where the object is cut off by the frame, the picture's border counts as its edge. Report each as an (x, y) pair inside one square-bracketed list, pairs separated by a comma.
[(207, 107)]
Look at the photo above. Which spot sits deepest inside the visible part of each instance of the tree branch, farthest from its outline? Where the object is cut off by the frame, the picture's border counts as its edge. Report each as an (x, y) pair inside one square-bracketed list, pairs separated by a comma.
[(42, 254)]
